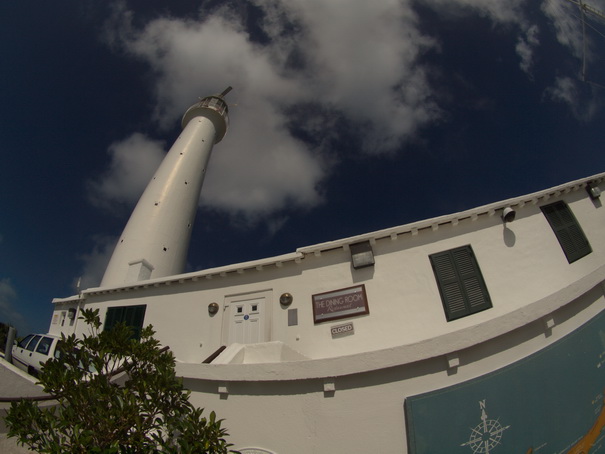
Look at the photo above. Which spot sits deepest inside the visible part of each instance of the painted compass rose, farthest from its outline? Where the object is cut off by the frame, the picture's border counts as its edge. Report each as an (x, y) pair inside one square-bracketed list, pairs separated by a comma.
[(486, 435)]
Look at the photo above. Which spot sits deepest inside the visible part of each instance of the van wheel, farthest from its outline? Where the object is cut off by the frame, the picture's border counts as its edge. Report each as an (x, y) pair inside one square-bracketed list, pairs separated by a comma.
[(31, 371)]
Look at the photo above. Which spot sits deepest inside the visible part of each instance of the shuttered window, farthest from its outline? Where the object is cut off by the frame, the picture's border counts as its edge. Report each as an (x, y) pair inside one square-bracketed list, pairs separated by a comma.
[(131, 316), (463, 291), (568, 231)]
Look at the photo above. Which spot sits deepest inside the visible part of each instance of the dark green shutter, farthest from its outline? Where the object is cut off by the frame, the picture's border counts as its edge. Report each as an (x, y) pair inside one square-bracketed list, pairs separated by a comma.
[(132, 316), (463, 291), (567, 230), (112, 317)]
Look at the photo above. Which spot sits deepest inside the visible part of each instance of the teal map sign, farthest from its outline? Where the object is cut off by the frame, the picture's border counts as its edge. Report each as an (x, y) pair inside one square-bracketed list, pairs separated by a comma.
[(548, 403)]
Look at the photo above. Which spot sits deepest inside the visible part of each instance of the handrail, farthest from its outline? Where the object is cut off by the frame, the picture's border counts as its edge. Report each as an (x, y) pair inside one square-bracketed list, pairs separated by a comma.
[(213, 356)]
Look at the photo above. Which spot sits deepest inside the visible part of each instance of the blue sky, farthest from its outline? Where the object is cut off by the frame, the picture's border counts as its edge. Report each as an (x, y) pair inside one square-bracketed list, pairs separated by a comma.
[(346, 117)]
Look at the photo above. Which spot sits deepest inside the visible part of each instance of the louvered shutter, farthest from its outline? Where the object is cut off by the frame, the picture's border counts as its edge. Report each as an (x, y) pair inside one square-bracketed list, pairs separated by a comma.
[(132, 316), (574, 243), (463, 291), (113, 316)]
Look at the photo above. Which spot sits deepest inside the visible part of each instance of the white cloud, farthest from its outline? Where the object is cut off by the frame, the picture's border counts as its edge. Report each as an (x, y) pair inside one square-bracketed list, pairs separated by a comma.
[(567, 19), (255, 178), (259, 165), (564, 17), (7, 292), (509, 13), (599, 5), (565, 90), (579, 97), (133, 162), (356, 63), (497, 10), (526, 46), (360, 61), (8, 313), (95, 263)]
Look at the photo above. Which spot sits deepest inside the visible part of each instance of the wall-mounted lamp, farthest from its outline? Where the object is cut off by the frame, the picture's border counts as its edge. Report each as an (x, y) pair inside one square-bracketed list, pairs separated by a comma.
[(212, 308), (285, 299), (362, 255), (508, 214), (593, 190)]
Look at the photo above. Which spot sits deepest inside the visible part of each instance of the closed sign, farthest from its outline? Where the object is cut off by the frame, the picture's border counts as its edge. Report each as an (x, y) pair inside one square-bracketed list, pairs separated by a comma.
[(341, 330)]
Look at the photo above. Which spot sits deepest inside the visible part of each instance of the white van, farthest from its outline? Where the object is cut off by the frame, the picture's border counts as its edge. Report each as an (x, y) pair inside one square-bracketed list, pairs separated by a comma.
[(33, 351)]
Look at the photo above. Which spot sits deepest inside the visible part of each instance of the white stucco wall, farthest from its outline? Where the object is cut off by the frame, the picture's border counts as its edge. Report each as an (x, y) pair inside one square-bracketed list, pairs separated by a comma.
[(521, 262), (365, 412), (348, 396)]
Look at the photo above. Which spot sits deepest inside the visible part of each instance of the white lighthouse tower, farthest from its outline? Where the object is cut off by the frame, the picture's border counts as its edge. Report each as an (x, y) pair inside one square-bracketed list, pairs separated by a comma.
[(155, 241)]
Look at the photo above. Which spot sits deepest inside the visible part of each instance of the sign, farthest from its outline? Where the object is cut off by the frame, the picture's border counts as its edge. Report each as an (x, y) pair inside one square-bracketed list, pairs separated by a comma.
[(337, 304), (341, 330)]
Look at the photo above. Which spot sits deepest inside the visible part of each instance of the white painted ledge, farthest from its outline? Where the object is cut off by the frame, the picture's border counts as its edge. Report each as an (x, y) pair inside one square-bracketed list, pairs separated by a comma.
[(395, 356)]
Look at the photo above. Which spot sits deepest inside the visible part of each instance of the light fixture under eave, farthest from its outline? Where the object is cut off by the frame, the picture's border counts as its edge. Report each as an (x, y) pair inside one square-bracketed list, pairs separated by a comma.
[(508, 214), (593, 190), (362, 255)]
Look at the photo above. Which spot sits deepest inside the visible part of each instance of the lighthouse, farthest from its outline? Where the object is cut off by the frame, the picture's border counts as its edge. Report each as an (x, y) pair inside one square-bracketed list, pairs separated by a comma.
[(155, 241)]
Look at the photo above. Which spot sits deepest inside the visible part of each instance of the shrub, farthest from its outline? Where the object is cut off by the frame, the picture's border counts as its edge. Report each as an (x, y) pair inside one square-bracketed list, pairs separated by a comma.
[(149, 411)]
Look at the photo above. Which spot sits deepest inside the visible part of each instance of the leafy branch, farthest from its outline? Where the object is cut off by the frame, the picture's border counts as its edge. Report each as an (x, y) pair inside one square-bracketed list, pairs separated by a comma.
[(115, 394)]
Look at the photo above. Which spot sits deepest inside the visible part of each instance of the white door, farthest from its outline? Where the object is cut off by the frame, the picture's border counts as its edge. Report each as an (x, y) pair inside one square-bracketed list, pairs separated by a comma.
[(247, 324)]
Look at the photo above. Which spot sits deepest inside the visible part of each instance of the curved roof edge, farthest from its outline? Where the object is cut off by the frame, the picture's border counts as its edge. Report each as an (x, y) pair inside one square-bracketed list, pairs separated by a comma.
[(297, 256), (210, 273), (453, 218)]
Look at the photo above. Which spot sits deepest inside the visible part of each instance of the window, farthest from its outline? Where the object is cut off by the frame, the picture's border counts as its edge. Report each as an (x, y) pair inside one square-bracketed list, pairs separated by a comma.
[(25, 341), (568, 231), (59, 350), (463, 291), (131, 316), (33, 343), (44, 345)]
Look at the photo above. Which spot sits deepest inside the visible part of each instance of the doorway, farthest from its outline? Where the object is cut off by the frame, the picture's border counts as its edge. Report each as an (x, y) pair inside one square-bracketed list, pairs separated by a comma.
[(247, 318)]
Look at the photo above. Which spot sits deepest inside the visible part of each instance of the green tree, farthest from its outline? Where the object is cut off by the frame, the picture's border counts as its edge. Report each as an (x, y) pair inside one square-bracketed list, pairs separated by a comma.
[(115, 394), (3, 335)]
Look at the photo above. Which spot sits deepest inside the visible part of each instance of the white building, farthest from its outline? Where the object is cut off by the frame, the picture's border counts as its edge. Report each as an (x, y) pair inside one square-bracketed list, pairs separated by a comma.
[(459, 334)]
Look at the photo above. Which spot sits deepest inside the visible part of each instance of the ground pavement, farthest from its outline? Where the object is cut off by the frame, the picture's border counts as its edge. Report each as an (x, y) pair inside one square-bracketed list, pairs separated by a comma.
[(14, 383)]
